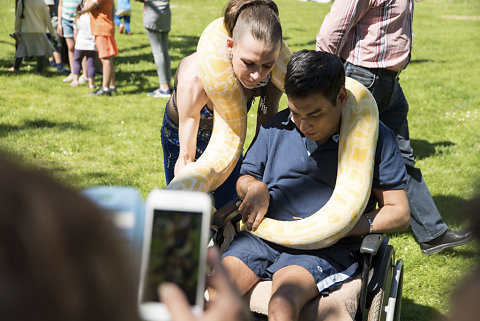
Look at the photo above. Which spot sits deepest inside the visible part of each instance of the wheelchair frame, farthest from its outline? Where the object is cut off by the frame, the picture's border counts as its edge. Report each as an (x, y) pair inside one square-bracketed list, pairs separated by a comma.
[(382, 276)]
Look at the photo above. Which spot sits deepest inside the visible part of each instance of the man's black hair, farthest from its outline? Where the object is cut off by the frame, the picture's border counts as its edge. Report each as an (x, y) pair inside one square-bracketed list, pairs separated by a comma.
[(310, 72)]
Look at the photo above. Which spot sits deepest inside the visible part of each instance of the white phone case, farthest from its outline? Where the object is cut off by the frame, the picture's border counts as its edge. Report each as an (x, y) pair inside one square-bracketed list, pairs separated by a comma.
[(181, 201)]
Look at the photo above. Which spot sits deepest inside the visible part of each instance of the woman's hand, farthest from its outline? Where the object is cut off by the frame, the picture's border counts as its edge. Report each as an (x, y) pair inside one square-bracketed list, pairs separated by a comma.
[(180, 164), (228, 304)]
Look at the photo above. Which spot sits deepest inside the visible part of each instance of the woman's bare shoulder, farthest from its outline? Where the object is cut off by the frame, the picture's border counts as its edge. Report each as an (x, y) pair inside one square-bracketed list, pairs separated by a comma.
[(190, 89), (187, 74)]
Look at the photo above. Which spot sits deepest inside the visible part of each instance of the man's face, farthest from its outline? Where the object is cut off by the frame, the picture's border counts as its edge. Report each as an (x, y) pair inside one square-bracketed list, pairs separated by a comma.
[(316, 117)]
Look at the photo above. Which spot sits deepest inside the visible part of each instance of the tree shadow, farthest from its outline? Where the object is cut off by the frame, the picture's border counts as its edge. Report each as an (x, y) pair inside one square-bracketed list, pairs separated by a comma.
[(452, 208), (423, 149), (412, 311), (5, 129), (184, 45)]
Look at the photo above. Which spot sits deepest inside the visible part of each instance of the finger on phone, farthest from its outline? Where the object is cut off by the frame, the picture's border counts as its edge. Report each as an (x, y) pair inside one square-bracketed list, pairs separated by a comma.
[(176, 302)]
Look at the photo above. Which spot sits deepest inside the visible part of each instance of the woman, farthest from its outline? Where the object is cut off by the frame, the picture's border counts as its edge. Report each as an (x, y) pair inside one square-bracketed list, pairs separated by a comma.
[(253, 45), (32, 19), (157, 19)]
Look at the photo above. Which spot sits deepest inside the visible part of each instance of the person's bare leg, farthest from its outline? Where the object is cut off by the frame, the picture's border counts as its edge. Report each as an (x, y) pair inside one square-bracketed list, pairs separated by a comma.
[(107, 66), (292, 287), (240, 273), (112, 74), (71, 51)]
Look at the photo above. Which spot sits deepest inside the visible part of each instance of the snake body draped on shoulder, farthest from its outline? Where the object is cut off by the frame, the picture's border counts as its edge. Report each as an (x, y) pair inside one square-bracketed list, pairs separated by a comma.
[(358, 138), (356, 156), (230, 111)]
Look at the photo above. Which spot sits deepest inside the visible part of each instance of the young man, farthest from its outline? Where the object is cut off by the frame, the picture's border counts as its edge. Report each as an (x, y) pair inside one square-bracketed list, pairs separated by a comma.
[(289, 173), (103, 28)]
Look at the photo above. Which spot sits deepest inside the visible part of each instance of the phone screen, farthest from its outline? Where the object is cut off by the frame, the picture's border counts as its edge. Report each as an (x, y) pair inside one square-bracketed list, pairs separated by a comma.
[(174, 253)]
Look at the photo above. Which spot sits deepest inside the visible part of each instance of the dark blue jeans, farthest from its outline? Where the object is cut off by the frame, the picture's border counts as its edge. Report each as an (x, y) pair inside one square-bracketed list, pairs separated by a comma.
[(425, 220), (171, 149)]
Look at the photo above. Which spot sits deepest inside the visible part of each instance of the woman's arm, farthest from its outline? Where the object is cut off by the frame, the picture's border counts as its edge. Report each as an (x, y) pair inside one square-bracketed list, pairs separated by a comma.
[(190, 99), (273, 99)]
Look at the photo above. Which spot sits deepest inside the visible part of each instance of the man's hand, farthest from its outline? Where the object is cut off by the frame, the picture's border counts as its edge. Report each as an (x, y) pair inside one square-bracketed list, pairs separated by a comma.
[(228, 304), (255, 201)]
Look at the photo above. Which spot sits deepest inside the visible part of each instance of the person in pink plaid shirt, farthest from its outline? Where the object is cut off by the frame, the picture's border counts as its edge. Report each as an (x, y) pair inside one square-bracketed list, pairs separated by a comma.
[(374, 39)]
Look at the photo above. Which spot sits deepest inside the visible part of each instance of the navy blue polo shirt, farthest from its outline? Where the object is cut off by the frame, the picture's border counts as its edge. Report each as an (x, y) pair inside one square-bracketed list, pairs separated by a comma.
[(301, 178)]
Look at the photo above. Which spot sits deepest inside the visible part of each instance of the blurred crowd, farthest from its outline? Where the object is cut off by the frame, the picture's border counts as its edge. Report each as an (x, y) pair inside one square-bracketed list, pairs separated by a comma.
[(78, 39)]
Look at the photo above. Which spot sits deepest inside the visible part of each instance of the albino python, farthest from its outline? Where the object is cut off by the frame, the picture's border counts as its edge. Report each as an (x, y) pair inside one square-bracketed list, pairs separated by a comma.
[(358, 138)]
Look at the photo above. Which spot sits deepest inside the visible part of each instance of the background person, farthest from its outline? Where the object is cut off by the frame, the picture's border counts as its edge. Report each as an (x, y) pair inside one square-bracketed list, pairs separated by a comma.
[(123, 12), (255, 37), (56, 59), (157, 19), (374, 38), (32, 20), (67, 10), (84, 48), (103, 28)]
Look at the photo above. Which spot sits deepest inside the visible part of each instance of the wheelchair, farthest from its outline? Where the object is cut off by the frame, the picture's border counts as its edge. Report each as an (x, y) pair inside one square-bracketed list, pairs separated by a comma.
[(381, 277)]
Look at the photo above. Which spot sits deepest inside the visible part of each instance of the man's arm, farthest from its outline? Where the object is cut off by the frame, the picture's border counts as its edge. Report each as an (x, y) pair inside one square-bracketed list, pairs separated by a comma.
[(344, 15), (256, 199), (393, 214)]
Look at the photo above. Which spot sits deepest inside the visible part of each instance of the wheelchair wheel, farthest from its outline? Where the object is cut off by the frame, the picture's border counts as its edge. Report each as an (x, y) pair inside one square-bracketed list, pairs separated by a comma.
[(378, 297), (398, 302), (375, 311)]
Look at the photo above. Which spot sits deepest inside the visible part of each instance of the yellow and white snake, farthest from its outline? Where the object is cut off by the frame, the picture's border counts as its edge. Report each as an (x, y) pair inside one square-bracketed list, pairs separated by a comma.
[(358, 138)]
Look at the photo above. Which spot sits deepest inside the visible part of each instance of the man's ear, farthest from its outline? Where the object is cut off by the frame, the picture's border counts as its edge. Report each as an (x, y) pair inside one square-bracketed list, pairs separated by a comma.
[(229, 46), (342, 97)]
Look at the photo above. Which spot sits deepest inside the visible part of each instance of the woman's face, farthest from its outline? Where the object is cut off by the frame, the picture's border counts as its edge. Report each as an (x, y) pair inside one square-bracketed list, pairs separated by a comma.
[(252, 60)]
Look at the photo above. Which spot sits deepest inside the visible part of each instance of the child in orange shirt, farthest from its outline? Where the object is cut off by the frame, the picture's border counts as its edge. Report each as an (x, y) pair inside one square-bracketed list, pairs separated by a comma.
[(103, 28)]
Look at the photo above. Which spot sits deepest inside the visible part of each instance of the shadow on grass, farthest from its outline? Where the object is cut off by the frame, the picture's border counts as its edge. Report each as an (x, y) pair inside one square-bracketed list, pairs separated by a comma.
[(420, 61), (423, 149), (5, 129), (184, 45), (414, 312), (452, 208)]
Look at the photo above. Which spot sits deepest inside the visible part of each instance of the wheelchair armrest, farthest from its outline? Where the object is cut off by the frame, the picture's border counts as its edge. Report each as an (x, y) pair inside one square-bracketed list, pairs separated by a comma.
[(224, 214), (371, 243)]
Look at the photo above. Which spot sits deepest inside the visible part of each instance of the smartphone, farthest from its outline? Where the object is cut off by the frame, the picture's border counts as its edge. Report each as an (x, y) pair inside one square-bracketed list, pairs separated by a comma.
[(174, 249)]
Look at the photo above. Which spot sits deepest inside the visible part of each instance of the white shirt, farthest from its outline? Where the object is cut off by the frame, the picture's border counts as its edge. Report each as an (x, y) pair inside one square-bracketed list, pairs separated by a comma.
[(85, 40)]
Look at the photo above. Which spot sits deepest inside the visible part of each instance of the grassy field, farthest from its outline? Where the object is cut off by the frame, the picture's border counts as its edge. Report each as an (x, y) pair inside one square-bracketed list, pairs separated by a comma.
[(88, 141)]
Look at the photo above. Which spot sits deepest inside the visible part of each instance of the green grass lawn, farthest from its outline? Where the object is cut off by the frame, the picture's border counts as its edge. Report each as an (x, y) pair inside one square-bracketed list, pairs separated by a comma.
[(88, 141)]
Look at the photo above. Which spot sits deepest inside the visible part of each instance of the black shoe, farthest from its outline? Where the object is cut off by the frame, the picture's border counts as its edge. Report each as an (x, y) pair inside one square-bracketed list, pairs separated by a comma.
[(100, 92), (446, 240)]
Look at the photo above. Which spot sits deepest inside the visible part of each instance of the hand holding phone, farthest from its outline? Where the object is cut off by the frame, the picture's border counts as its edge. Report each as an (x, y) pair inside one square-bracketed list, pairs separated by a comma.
[(174, 249), (228, 304)]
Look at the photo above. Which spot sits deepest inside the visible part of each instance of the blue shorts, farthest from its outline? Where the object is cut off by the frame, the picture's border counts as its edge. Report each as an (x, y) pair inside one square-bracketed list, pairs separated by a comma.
[(329, 267), (67, 28)]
